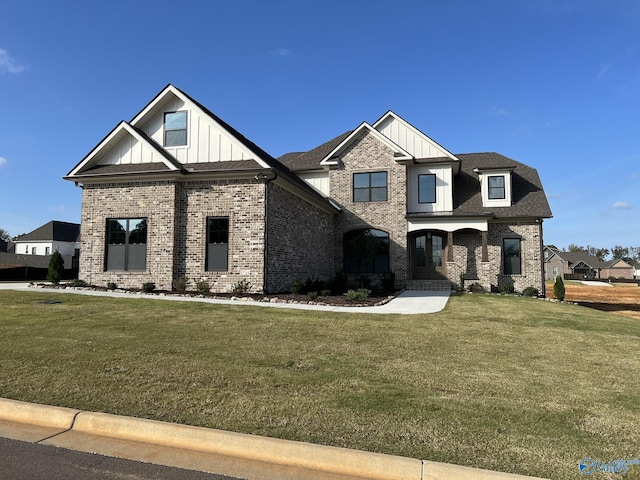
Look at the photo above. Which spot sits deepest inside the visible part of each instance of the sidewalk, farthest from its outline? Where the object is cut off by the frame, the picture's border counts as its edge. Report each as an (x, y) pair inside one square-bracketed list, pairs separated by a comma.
[(409, 302)]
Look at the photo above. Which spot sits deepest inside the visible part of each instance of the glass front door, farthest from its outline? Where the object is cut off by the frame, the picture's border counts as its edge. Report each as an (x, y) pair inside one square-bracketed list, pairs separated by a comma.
[(428, 253)]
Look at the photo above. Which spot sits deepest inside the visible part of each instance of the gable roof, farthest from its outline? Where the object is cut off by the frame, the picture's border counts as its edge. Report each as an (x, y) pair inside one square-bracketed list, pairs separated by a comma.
[(53, 231), (331, 158)]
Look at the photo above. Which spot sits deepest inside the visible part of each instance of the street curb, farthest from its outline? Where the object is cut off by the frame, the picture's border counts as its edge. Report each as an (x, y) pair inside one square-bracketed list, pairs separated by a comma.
[(286, 453), (36, 414)]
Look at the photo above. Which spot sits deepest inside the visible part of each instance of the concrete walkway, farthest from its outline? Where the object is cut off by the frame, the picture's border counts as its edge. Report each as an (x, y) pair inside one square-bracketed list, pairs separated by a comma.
[(407, 303)]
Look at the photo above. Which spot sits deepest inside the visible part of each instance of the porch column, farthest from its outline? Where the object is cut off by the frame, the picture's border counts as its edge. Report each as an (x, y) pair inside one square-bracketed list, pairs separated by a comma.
[(485, 250), (449, 246)]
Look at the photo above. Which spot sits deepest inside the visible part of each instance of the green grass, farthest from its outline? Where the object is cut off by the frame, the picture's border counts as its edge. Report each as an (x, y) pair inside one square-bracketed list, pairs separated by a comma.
[(498, 382)]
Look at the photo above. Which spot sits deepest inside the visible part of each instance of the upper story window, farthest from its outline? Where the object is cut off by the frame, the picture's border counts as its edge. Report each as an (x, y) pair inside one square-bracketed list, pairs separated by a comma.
[(370, 187), (427, 188), (496, 187), (175, 129)]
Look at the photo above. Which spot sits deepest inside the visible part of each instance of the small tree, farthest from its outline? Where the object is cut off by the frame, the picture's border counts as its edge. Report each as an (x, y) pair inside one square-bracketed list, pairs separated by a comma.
[(558, 288), (56, 268)]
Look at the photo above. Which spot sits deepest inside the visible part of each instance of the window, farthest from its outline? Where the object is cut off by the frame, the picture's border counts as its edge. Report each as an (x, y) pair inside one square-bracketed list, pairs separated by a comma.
[(512, 256), (126, 244), (427, 188), (47, 250), (175, 129), (496, 187), (217, 244), (34, 250), (370, 187), (366, 251)]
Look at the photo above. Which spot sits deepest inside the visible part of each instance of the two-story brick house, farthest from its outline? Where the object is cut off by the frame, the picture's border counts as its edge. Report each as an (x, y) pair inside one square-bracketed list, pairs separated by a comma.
[(177, 192)]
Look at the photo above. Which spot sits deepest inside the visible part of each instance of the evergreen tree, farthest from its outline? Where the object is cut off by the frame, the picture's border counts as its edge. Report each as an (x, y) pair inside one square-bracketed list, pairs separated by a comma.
[(56, 268), (558, 288)]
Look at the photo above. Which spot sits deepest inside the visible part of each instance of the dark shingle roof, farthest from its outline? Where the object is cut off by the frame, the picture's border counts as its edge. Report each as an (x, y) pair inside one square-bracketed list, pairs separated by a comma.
[(528, 197), (54, 230), (310, 160)]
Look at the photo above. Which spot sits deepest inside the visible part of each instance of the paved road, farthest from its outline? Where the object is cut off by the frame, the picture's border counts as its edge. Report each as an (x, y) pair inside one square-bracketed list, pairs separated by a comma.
[(30, 461)]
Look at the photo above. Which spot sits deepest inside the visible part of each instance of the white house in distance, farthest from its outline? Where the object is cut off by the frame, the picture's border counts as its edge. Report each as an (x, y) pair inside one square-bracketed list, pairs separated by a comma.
[(63, 237)]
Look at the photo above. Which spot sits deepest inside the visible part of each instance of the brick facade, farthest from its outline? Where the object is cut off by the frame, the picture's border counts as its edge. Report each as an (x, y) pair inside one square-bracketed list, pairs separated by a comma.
[(368, 154)]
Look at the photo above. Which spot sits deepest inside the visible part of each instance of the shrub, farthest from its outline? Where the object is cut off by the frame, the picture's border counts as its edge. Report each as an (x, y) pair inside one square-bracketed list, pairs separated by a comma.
[(506, 287), (203, 286), (297, 286), (476, 288), (148, 287), (360, 294), (530, 292), (558, 288), (180, 284), (339, 284), (312, 295), (325, 293), (78, 283), (56, 268), (111, 285), (243, 286)]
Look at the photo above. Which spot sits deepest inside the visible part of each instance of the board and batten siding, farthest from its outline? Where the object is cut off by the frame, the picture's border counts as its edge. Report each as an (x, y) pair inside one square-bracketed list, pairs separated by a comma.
[(318, 180), (206, 140), (414, 142), (444, 189)]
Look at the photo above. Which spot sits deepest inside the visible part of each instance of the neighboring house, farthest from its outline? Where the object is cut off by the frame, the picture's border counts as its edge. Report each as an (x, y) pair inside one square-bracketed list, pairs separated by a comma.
[(177, 192), (63, 237), (581, 265)]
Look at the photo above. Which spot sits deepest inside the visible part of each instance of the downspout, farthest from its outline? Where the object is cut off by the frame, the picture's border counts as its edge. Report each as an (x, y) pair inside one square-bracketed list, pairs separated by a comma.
[(264, 178), (544, 286)]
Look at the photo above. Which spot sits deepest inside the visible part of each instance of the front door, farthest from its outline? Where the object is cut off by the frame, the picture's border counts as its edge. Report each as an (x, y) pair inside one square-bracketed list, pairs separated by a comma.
[(428, 253)]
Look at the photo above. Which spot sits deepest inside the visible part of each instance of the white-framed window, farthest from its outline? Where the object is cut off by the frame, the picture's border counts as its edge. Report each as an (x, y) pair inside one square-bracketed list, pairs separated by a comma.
[(34, 250), (47, 250), (175, 128), (496, 185)]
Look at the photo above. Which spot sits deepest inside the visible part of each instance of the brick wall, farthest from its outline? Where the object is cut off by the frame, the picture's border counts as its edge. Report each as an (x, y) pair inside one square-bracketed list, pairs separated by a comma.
[(368, 154), (242, 201), (152, 200), (300, 240)]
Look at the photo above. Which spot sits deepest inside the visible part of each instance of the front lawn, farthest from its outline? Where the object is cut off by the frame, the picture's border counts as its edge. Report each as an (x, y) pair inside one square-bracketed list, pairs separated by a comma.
[(499, 382)]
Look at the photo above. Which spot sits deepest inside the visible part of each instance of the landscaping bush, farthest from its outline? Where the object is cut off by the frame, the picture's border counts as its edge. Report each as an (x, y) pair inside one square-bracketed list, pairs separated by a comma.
[(476, 288), (360, 294), (325, 293), (558, 288), (203, 286), (339, 284), (296, 286), (111, 285), (312, 295), (78, 283), (56, 268), (180, 284), (243, 286), (506, 287), (530, 292), (148, 287)]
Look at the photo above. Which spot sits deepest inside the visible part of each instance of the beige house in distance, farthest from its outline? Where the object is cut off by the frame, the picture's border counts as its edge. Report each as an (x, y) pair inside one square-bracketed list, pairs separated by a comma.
[(177, 192)]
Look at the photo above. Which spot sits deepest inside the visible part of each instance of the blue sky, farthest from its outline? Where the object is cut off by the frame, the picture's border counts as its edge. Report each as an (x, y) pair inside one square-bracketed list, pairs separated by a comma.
[(552, 83)]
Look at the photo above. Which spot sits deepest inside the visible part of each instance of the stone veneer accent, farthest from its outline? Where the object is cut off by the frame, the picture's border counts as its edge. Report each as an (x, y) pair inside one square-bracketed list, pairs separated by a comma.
[(299, 238), (368, 154)]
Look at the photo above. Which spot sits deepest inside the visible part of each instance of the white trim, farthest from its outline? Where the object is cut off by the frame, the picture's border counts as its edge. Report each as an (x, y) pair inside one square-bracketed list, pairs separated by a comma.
[(122, 126), (193, 106), (407, 125), (329, 160), (447, 224)]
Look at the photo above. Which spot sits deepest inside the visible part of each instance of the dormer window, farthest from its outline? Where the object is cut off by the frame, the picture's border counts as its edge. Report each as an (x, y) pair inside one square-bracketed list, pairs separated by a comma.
[(495, 184), (175, 129), (496, 187)]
